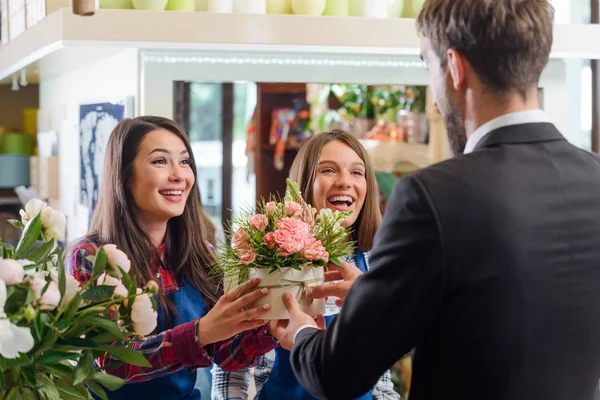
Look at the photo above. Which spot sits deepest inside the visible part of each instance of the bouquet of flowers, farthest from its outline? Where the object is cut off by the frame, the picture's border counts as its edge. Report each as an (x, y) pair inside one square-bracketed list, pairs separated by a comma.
[(286, 244), (51, 327)]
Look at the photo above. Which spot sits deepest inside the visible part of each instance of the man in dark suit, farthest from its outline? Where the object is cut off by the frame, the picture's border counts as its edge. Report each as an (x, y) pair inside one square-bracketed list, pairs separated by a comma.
[(488, 264)]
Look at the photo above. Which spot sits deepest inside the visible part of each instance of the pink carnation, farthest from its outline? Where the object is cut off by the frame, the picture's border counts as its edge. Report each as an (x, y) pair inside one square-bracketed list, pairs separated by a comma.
[(269, 239), (315, 251), (240, 239), (288, 242), (271, 207), (259, 222), (247, 256), (291, 235), (293, 209)]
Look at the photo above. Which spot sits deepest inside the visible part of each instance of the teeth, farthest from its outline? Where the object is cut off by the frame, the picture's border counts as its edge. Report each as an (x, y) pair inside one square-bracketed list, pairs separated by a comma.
[(171, 192), (347, 199)]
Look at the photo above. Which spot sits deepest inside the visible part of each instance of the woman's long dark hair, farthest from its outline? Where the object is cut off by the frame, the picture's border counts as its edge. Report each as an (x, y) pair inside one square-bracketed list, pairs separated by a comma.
[(114, 220)]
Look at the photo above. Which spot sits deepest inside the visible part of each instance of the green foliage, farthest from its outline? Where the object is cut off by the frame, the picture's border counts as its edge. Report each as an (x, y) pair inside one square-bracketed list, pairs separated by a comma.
[(87, 321)]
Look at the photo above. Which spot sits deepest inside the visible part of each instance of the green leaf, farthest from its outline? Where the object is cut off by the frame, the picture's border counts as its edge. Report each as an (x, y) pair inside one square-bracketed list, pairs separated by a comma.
[(22, 360), (62, 277), (91, 311), (99, 264), (336, 261), (17, 223), (98, 294), (28, 394), (14, 394), (127, 355), (108, 337), (56, 356), (72, 307), (68, 391), (126, 279), (103, 323), (84, 368), (30, 235), (77, 342), (96, 389), (47, 388), (109, 381), (48, 342), (38, 254), (28, 377), (60, 369)]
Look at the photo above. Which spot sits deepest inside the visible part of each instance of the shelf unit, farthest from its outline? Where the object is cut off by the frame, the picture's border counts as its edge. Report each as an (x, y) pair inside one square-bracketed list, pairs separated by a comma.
[(63, 41)]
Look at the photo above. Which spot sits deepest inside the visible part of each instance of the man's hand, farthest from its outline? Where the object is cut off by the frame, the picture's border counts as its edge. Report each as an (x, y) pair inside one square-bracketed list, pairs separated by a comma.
[(346, 272), (285, 330)]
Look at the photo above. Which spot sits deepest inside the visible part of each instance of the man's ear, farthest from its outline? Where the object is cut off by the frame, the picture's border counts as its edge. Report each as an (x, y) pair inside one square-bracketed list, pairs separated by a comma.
[(456, 67)]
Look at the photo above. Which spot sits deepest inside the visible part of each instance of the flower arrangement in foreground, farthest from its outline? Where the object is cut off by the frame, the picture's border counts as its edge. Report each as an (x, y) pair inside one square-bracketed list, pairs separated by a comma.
[(286, 244), (51, 327)]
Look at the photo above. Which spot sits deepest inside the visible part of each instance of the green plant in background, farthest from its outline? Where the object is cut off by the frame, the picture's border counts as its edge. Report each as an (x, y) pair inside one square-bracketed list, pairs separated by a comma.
[(52, 328), (371, 102), (388, 100)]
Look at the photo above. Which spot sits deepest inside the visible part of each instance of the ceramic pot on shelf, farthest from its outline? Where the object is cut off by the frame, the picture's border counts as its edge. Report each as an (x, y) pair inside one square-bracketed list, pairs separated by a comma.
[(308, 7), (279, 6), (337, 8), (117, 4), (220, 6), (250, 6), (181, 5), (369, 8), (152, 5), (395, 8)]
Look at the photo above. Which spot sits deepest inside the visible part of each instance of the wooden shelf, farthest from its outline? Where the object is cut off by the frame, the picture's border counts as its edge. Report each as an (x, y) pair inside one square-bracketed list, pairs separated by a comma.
[(63, 41)]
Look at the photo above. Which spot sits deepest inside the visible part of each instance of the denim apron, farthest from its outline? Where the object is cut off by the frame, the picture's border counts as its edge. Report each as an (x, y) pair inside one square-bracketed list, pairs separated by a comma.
[(178, 385), (282, 383)]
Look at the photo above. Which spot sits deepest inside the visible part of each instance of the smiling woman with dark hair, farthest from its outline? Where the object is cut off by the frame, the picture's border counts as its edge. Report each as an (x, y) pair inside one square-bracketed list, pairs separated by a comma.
[(149, 206)]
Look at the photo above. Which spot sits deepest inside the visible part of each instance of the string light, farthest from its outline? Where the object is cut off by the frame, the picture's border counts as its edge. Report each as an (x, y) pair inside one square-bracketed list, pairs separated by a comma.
[(165, 58)]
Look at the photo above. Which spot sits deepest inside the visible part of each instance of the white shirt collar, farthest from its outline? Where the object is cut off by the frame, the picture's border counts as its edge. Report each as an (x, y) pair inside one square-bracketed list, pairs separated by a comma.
[(516, 118)]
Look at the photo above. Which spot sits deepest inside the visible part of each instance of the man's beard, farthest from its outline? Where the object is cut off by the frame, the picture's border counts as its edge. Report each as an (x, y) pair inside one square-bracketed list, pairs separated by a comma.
[(455, 126)]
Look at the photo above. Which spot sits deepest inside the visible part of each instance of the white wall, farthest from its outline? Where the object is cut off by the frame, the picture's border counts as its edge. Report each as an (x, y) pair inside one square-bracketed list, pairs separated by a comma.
[(112, 78)]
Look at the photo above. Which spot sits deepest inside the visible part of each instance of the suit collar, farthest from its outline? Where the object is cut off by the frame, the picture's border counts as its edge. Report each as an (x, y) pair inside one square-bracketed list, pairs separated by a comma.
[(514, 118), (523, 133)]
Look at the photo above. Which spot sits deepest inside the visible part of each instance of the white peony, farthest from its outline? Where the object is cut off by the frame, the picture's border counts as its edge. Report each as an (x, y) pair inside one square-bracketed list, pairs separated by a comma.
[(32, 209), (143, 315), (109, 280), (117, 258), (53, 224), (13, 339), (71, 289), (11, 272), (51, 297)]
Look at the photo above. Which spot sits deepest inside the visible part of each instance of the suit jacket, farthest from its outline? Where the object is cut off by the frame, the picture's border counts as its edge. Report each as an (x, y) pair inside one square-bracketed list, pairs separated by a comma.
[(488, 265)]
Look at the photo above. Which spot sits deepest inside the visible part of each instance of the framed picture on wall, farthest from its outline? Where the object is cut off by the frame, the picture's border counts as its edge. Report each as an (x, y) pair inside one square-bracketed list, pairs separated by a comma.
[(97, 119)]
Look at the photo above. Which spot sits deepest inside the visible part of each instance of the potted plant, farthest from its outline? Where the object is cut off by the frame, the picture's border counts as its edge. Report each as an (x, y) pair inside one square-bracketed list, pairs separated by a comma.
[(287, 245)]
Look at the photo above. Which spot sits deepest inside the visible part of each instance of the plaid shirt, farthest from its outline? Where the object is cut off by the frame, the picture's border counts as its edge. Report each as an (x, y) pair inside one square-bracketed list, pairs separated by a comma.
[(177, 348), (234, 385)]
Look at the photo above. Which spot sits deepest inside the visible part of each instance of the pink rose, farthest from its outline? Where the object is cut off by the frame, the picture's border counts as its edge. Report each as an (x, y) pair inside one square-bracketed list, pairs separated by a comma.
[(240, 239), (247, 256), (259, 222), (315, 251), (271, 207), (293, 209), (269, 239)]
